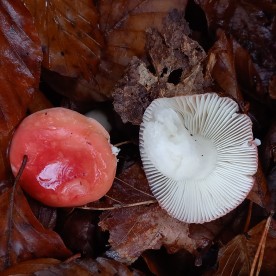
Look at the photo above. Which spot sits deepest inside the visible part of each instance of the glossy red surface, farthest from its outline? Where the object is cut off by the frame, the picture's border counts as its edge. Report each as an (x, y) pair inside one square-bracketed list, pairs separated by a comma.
[(70, 159)]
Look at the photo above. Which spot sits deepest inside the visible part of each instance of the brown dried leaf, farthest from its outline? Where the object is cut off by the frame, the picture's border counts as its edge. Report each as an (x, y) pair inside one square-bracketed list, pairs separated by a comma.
[(130, 188), (136, 229), (123, 24), (259, 193), (222, 66), (70, 36), (23, 237), (29, 267), (222, 229), (237, 256), (99, 266), (252, 23), (20, 57), (174, 68), (80, 232)]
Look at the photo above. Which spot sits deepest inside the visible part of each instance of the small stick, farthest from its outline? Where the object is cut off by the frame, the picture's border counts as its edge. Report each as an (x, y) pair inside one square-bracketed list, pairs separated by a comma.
[(261, 247)]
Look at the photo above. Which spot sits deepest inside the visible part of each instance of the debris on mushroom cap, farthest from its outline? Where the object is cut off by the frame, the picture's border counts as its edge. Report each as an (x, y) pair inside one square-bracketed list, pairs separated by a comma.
[(198, 154)]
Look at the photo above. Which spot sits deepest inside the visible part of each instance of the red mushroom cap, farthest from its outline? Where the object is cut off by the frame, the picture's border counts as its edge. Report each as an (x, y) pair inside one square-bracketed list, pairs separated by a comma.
[(70, 159)]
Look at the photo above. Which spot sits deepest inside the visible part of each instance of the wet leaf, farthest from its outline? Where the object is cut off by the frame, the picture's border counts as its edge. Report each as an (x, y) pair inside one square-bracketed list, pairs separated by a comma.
[(70, 36), (232, 69), (130, 188), (259, 193), (20, 56), (29, 267), (123, 24), (80, 232), (99, 266), (23, 237), (237, 256), (175, 68), (220, 230), (136, 229), (252, 23)]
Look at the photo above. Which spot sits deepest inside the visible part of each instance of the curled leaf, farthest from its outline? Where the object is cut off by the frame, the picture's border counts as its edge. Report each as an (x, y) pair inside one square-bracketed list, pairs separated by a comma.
[(20, 57), (23, 237), (252, 24)]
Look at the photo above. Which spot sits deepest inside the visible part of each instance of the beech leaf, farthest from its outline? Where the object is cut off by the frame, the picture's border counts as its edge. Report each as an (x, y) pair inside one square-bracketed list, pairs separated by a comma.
[(251, 23), (123, 24), (237, 256), (20, 57), (99, 266), (70, 37), (136, 229), (23, 237), (130, 188), (175, 68)]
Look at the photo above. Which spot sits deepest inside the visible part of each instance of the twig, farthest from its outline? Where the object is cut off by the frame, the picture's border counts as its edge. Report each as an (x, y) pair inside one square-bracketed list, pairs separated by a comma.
[(123, 143), (140, 191), (118, 206), (261, 247)]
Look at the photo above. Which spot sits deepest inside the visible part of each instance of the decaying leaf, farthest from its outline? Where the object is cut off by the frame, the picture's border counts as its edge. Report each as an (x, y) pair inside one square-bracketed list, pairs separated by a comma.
[(20, 56), (259, 193), (70, 35), (99, 266), (123, 24), (23, 237), (136, 229), (220, 230), (252, 23), (130, 188), (237, 256), (174, 68), (29, 267), (81, 233), (232, 68)]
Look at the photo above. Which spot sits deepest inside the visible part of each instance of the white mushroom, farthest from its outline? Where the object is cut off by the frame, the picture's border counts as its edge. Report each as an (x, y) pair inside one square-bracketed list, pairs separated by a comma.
[(198, 154)]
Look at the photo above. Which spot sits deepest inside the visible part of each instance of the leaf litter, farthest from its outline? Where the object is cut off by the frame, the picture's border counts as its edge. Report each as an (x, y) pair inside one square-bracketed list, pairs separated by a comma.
[(147, 52)]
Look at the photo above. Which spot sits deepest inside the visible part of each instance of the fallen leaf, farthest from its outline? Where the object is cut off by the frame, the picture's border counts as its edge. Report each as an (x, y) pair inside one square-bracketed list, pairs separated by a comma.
[(70, 36), (80, 232), (160, 262), (99, 266), (259, 193), (20, 56), (30, 267), (130, 188), (220, 230), (123, 24), (23, 237), (252, 24), (174, 68), (236, 257), (136, 229), (223, 68)]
